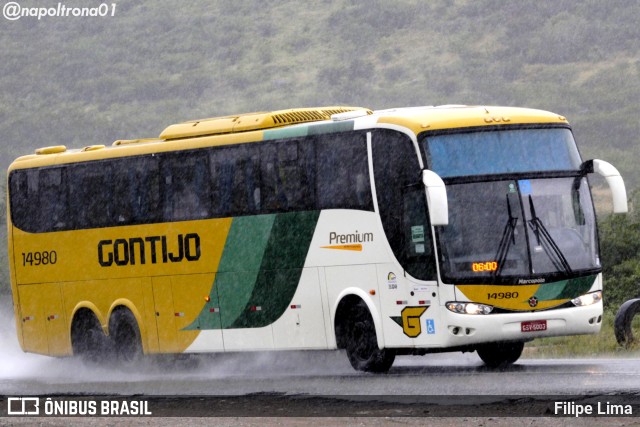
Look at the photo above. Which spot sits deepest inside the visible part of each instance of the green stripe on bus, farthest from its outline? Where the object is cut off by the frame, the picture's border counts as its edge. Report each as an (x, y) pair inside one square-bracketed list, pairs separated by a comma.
[(237, 272), (300, 131), (280, 270), (285, 133), (565, 289), (259, 271)]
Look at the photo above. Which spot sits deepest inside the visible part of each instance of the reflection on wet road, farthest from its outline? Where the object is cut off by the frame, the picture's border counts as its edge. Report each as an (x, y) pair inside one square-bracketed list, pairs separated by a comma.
[(318, 373), (313, 373)]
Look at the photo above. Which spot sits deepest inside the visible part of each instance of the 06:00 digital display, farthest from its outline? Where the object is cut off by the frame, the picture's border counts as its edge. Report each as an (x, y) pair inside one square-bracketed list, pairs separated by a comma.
[(478, 267)]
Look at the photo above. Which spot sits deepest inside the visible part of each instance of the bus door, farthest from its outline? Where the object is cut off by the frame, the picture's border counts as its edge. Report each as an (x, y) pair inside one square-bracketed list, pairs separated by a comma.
[(409, 293)]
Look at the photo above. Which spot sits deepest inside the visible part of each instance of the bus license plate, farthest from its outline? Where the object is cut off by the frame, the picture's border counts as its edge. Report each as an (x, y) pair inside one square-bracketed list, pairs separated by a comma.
[(534, 326)]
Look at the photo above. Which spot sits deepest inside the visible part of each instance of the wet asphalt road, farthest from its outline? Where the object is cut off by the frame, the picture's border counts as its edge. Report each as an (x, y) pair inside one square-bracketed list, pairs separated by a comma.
[(310, 382), (321, 384), (317, 373)]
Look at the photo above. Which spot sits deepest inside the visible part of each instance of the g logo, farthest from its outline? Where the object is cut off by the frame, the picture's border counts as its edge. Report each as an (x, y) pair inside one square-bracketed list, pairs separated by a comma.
[(411, 321)]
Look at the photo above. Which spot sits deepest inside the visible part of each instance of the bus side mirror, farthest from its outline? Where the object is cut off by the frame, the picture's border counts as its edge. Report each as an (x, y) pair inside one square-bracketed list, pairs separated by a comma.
[(614, 180), (436, 198)]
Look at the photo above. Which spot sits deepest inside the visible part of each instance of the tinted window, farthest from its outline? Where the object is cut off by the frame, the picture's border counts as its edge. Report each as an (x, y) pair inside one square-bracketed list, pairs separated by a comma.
[(327, 172), (287, 184), (235, 181), (86, 195), (137, 185), (186, 185), (90, 195), (502, 151), (402, 203), (39, 199), (343, 172)]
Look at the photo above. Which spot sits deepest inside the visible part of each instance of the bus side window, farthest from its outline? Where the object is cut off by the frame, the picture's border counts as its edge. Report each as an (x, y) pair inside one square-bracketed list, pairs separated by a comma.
[(122, 200), (342, 172), (186, 186), (137, 190), (52, 200), (145, 191), (235, 181), (21, 197), (307, 162), (39, 200), (273, 193), (90, 194), (245, 189), (284, 167)]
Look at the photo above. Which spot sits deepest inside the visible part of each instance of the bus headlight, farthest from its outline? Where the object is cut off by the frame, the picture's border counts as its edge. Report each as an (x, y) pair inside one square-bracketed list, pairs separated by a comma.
[(587, 299), (469, 308)]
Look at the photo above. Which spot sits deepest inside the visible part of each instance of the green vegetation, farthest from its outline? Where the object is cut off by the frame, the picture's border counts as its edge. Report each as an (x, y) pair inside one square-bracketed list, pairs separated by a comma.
[(620, 252), (92, 81), (602, 345), (81, 81)]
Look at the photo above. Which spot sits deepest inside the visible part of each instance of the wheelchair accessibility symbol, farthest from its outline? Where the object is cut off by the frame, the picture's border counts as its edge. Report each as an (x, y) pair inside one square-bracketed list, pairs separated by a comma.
[(431, 327)]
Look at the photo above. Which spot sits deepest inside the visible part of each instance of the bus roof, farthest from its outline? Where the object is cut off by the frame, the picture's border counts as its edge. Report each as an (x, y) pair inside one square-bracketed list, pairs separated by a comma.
[(254, 127), (420, 119)]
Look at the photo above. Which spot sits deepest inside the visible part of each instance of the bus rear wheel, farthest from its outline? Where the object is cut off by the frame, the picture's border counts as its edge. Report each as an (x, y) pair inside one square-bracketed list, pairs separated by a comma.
[(362, 344), (88, 340), (125, 337), (500, 354)]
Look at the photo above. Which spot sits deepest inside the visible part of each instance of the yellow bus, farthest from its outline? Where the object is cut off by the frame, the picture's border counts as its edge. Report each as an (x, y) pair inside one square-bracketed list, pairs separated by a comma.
[(394, 232)]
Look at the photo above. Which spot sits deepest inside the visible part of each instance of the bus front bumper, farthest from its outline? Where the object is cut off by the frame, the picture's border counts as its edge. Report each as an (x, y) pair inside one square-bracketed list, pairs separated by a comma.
[(465, 329)]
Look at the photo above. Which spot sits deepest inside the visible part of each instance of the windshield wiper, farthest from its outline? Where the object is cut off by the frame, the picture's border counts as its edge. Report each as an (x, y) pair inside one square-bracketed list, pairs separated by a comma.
[(546, 242), (508, 235)]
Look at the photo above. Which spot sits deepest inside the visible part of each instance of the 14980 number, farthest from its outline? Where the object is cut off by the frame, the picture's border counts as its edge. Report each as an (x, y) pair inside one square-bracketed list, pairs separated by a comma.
[(39, 258), (502, 295)]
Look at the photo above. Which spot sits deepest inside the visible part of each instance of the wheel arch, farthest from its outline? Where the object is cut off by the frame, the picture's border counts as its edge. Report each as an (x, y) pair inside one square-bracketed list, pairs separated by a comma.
[(87, 307), (86, 316), (347, 298), (126, 304)]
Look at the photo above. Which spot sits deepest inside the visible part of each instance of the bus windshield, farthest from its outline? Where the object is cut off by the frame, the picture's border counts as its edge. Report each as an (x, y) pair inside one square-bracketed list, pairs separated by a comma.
[(506, 220), (502, 151)]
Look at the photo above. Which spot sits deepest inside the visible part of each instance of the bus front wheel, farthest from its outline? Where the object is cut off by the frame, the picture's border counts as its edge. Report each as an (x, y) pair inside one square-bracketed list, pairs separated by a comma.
[(362, 344), (125, 336), (500, 354)]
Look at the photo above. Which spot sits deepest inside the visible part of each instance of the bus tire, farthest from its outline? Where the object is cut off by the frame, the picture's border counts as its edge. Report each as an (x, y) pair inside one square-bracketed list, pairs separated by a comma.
[(88, 340), (622, 323), (125, 337), (500, 354), (362, 344)]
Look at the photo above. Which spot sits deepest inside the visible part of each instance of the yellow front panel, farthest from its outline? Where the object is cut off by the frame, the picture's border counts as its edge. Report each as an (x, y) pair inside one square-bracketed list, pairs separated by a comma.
[(508, 297)]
